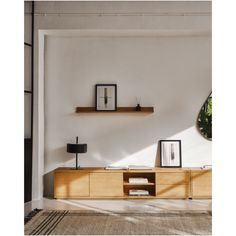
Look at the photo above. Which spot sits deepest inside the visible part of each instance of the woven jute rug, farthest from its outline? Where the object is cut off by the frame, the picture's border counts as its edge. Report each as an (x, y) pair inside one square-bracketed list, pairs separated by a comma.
[(53, 222)]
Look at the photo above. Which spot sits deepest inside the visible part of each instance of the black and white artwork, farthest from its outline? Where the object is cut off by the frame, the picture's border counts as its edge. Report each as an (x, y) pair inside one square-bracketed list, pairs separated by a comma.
[(170, 151), (106, 97)]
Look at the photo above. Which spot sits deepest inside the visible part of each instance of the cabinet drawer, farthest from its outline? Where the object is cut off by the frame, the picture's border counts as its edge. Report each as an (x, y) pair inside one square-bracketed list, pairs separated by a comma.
[(172, 191), (106, 184), (72, 184), (180, 178)]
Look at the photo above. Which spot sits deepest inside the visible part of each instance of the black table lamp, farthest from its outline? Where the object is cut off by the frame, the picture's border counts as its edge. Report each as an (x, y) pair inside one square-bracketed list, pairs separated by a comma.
[(76, 148)]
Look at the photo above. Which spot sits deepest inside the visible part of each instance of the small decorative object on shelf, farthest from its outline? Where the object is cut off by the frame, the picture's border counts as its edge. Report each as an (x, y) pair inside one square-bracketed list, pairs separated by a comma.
[(76, 148), (138, 107), (206, 167)]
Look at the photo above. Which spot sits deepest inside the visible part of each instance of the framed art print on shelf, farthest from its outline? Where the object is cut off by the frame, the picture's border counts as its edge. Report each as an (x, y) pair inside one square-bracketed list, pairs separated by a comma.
[(106, 97), (170, 153)]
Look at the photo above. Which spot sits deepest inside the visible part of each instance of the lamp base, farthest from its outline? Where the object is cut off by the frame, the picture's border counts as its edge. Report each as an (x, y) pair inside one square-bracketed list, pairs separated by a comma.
[(76, 162), (78, 168)]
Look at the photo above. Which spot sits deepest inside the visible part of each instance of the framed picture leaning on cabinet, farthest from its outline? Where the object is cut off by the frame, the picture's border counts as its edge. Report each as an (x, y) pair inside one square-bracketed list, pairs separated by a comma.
[(170, 153)]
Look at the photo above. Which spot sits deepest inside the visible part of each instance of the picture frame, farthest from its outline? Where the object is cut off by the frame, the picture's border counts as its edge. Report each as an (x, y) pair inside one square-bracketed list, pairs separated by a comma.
[(106, 97), (170, 153)]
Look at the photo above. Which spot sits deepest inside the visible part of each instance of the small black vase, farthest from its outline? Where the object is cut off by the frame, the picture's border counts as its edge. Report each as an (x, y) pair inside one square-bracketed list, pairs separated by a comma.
[(138, 107)]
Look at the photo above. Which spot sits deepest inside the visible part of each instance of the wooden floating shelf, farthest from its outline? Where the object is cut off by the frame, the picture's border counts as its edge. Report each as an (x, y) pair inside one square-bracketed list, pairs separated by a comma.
[(119, 110)]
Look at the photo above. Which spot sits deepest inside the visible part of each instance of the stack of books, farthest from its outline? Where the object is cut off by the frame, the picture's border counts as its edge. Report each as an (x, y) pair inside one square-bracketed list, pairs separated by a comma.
[(138, 180), (134, 167), (206, 167), (129, 167), (115, 168), (138, 192)]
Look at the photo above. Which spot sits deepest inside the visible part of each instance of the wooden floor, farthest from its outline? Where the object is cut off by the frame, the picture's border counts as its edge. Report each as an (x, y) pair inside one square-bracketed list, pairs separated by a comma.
[(119, 205)]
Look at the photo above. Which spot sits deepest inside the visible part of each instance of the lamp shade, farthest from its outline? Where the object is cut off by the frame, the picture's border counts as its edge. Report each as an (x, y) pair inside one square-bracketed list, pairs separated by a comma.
[(76, 148)]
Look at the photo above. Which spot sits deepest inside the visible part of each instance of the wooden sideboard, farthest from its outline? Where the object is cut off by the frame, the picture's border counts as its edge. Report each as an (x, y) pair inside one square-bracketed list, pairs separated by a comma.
[(170, 183)]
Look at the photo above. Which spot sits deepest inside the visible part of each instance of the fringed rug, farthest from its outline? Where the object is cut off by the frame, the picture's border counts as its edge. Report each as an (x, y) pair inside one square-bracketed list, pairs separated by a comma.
[(53, 222)]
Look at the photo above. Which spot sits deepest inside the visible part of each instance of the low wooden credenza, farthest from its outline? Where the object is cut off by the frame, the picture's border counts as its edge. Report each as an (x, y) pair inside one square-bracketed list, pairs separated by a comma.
[(178, 183)]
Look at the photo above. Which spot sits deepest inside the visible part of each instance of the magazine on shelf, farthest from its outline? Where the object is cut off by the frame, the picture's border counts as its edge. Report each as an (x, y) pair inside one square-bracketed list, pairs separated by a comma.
[(129, 167), (138, 180), (206, 167), (136, 167), (138, 192), (116, 168)]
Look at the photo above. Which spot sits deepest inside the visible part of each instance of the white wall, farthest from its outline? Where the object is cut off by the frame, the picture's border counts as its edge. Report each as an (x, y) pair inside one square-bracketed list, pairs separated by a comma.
[(170, 71)]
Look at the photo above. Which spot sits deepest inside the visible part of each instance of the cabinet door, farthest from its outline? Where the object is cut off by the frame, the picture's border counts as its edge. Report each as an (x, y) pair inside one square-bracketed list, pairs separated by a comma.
[(172, 191), (106, 184), (71, 184), (201, 186), (172, 184)]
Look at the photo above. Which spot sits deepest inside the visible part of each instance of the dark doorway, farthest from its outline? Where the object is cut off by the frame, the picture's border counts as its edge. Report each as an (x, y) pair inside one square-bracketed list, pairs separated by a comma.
[(28, 97), (28, 169)]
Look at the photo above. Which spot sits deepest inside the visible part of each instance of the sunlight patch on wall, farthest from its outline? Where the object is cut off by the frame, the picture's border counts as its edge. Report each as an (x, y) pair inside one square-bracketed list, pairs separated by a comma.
[(194, 147), (146, 156)]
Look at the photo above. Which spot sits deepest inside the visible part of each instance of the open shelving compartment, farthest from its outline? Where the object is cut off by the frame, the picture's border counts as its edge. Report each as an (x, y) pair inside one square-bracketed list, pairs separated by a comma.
[(150, 186)]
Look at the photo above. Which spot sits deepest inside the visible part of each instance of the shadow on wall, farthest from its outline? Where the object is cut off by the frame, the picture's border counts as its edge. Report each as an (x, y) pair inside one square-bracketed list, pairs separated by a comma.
[(48, 185), (158, 156), (59, 155)]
